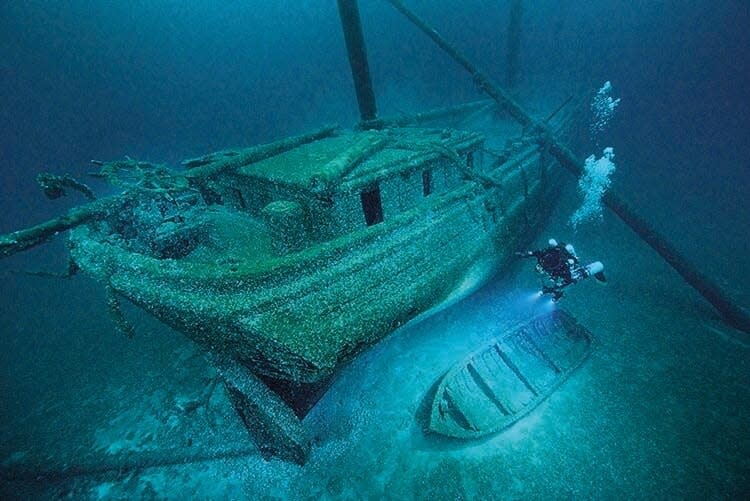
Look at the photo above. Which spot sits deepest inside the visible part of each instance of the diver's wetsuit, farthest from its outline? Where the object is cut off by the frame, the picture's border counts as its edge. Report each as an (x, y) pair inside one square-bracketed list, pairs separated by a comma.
[(557, 262), (560, 265)]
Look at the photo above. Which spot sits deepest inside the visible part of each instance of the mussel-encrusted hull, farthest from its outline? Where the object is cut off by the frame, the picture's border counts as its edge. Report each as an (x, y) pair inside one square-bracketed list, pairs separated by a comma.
[(296, 318)]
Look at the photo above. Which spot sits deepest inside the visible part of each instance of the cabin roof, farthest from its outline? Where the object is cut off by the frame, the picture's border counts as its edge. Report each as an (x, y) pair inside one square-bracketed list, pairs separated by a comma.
[(352, 160)]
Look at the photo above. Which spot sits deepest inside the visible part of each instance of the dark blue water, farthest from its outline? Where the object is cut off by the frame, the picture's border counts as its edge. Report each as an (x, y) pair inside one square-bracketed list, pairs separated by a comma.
[(163, 81)]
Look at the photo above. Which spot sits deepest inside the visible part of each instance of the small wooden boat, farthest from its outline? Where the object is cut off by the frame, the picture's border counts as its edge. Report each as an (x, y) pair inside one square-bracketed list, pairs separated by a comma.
[(496, 386)]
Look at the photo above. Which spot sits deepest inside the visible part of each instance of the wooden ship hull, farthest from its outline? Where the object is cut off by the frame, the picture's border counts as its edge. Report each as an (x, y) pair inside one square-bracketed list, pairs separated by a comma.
[(286, 266)]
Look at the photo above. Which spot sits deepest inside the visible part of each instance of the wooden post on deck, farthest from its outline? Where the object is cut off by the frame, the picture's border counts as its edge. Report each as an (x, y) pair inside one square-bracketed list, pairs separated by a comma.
[(734, 314), (355, 46)]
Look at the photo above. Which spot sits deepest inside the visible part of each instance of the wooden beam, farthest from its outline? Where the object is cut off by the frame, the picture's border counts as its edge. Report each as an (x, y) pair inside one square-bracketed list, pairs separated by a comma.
[(484, 82), (355, 47), (21, 240), (257, 153), (272, 424)]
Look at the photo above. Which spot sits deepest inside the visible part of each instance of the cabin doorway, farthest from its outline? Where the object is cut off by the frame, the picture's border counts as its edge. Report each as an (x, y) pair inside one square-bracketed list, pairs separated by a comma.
[(372, 205), (426, 182)]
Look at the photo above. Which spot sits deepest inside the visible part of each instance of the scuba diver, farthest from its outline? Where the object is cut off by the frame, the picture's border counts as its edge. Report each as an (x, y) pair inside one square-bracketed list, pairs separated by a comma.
[(560, 265)]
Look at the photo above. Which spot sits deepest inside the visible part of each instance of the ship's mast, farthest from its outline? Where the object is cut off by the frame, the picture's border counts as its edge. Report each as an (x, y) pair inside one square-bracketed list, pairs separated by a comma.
[(355, 47)]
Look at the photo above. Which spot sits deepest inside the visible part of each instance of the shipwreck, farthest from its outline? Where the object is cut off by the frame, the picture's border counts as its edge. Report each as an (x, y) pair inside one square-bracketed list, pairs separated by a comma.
[(286, 260)]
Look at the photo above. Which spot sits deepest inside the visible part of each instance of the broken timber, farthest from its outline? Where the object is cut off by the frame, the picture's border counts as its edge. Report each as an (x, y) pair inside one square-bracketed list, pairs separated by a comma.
[(458, 112), (275, 429)]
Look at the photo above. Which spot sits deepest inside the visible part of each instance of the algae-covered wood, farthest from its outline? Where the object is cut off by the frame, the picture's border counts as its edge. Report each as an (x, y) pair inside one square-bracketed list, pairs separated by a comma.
[(294, 281)]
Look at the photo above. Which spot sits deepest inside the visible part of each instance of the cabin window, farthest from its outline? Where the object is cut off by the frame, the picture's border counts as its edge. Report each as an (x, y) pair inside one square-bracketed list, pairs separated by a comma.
[(372, 205), (426, 182)]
